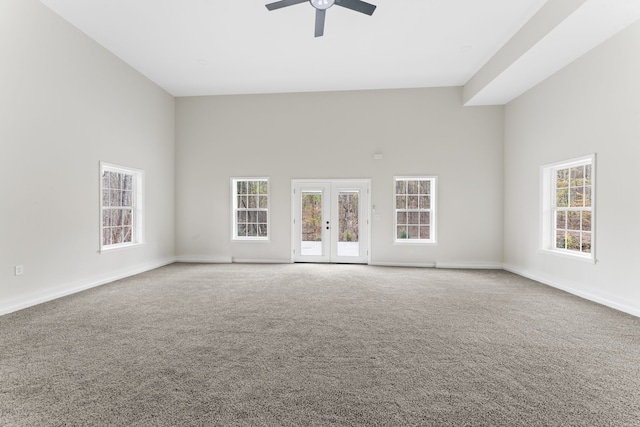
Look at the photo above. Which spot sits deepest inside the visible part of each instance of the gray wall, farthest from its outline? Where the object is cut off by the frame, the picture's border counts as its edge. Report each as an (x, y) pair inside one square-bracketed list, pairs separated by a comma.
[(591, 106), (334, 135), (66, 104)]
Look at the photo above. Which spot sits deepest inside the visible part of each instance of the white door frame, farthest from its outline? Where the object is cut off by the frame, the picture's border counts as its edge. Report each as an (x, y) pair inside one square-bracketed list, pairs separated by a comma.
[(328, 186)]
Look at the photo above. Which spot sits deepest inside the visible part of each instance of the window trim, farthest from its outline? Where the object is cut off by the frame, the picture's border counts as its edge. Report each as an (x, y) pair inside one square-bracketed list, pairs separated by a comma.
[(234, 207), (547, 203), (137, 209), (433, 210)]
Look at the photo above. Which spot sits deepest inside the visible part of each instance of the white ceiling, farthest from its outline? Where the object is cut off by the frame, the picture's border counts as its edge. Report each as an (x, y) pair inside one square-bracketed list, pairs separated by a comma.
[(213, 47)]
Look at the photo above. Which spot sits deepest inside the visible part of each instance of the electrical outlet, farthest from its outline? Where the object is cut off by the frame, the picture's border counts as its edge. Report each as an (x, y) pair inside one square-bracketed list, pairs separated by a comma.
[(19, 270)]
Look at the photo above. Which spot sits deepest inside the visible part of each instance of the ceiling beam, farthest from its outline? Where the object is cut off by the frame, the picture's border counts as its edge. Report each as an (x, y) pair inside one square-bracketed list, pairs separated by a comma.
[(560, 32)]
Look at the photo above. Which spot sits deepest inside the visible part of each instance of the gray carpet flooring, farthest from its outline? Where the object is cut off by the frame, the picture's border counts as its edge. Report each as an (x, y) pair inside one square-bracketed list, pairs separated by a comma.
[(319, 345)]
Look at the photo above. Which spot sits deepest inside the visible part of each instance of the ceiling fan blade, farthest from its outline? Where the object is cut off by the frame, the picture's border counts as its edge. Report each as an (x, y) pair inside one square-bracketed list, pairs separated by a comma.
[(284, 3), (357, 5), (320, 14)]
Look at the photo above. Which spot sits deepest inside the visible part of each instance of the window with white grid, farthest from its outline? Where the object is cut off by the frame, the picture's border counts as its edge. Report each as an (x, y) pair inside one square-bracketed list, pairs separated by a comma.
[(415, 219), (250, 208), (120, 206), (568, 202)]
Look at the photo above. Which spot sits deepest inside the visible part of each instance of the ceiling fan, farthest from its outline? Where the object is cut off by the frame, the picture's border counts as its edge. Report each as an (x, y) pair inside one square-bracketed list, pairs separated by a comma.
[(321, 7)]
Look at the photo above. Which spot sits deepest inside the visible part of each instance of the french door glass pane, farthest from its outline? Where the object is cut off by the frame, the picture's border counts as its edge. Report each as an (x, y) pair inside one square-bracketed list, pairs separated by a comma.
[(311, 224), (348, 239)]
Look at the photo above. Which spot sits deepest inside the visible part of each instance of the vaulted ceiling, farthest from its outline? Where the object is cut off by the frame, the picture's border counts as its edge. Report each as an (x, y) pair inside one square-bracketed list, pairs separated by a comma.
[(495, 48)]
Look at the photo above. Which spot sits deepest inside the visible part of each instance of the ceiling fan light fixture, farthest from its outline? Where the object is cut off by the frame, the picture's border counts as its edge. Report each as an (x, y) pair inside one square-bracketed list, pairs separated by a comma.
[(322, 5)]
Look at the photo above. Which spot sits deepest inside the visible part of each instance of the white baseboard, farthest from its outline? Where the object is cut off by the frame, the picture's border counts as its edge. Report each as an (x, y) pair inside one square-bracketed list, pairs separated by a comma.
[(461, 265), (261, 261), (404, 264), (634, 311), (470, 265), (59, 292), (196, 259)]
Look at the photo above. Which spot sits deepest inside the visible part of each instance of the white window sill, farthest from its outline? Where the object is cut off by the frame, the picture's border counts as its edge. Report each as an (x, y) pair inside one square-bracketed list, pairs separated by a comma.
[(414, 242), (115, 248), (568, 255)]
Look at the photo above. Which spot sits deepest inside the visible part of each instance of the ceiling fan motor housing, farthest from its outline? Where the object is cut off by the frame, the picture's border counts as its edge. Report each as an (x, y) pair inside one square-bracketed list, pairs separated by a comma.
[(322, 4)]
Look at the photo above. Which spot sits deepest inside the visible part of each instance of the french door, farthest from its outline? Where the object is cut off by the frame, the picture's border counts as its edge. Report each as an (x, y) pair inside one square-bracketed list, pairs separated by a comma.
[(331, 221)]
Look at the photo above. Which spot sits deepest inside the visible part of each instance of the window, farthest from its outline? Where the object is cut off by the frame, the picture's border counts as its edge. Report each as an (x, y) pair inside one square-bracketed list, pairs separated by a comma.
[(250, 208), (120, 206), (415, 219), (567, 207)]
